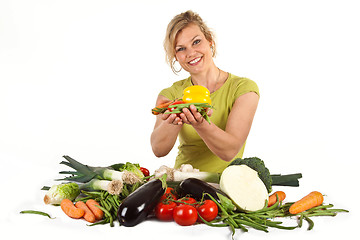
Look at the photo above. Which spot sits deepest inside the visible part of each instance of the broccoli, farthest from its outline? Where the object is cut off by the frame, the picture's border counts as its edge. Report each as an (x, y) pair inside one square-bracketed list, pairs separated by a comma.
[(264, 174)]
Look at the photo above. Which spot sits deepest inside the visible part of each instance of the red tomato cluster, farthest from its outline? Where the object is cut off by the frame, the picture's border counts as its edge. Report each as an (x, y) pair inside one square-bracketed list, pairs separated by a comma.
[(184, 211)]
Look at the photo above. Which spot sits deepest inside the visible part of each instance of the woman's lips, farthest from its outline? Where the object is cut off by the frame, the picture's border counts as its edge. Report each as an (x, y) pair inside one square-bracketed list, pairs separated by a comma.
[(195, 61)]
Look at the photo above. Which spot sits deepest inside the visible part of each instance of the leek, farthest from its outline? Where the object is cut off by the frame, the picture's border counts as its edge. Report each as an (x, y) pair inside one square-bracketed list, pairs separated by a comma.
[(124, 176), (84, 173), (114, 187)]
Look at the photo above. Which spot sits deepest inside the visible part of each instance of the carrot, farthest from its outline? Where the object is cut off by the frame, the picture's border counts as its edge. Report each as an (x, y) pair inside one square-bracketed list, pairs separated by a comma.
[(88, 216), (161, 108), (69, 209), (272, 199), (311, 200), (91, 203)]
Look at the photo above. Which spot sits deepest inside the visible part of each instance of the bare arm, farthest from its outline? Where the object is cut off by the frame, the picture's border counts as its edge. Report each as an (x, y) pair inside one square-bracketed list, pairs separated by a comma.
[(166, 130), (226, 144)]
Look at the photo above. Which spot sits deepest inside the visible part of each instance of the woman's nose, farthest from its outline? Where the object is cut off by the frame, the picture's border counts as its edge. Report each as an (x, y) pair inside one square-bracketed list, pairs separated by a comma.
[(190, 51)]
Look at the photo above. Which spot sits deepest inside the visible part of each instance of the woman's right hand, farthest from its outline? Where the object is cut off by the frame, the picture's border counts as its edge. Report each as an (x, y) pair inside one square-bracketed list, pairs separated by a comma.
[(172, 119), (166, 130)]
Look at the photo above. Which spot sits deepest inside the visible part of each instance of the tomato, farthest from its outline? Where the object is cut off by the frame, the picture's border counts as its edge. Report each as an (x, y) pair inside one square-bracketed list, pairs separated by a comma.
[(173, 108), (169, 194), (187, 200), (196, 94), (185, 215), (145, 171), (208, 210), (164, 211)]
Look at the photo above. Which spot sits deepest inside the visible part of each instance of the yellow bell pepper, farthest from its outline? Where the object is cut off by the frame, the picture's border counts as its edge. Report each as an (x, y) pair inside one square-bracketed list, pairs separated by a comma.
[(196, 94)]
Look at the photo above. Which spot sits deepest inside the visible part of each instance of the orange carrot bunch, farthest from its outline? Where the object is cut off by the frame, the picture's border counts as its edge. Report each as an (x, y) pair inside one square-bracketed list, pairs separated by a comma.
[(161, 108), (88, 211)]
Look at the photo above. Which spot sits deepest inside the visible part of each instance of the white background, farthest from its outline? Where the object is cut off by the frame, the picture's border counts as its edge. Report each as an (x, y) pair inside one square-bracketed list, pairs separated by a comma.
[(79, 78)]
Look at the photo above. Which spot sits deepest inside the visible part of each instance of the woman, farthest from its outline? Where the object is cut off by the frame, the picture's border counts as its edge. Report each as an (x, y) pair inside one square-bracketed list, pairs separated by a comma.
[(208, 147)]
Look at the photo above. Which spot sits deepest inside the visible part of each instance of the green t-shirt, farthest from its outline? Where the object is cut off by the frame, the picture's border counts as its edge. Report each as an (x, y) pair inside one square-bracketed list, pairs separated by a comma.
[(192, 149)]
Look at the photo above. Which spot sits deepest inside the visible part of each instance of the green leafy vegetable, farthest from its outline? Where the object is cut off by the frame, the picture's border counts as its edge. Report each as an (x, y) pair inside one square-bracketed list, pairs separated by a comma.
[(62, 191), (131, 167)]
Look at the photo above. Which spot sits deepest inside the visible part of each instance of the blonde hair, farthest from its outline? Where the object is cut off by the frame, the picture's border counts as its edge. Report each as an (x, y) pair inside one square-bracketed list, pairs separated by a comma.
[(178, 23)]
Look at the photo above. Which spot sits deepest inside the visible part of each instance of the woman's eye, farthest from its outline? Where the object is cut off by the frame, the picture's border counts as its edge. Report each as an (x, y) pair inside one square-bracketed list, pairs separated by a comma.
[(197, 42), (180, 49)]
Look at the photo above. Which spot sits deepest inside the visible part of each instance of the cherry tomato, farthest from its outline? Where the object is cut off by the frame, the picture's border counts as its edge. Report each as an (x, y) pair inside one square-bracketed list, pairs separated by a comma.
[(145, 171), (172, 108), (185, 215), (186, 200), (169, 194), (208, 210), (164, 211)]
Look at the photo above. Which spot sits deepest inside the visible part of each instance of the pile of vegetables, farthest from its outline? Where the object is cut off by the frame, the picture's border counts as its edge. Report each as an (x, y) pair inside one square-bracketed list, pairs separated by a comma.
[(196, 95), (240, 198)]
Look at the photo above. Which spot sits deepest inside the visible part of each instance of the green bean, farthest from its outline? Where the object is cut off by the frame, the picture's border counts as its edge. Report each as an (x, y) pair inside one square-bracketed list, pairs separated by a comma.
[(173, 111), (104, 221), (231, 226), (105, 204), (112, 202), (231, 220), (108, 214), (125, 191), (271, 224), (102, 202), (211, 223), (311, 223), (266, 209), (252, 224), (258, 220), (116, 198), (321, 207), (106, 194), (337, 210), (238, 225), (301, 220), (84, 199), (36, 212), (216, 220), (321, 214)]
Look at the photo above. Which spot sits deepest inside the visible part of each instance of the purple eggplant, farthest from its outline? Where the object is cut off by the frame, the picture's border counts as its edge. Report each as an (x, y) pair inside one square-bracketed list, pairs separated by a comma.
[(139, 204), (196, 188)]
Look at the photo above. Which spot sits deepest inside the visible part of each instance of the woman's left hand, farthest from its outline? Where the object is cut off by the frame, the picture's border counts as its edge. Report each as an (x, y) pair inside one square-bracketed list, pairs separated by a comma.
[(192, 116)]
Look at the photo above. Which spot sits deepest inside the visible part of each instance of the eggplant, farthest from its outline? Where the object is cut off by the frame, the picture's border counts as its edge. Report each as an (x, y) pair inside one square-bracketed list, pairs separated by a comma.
[(139, 204), (196, 188)]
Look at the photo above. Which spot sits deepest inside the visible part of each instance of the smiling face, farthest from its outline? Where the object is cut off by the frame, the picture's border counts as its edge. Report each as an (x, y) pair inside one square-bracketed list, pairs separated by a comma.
[(193, 50)]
